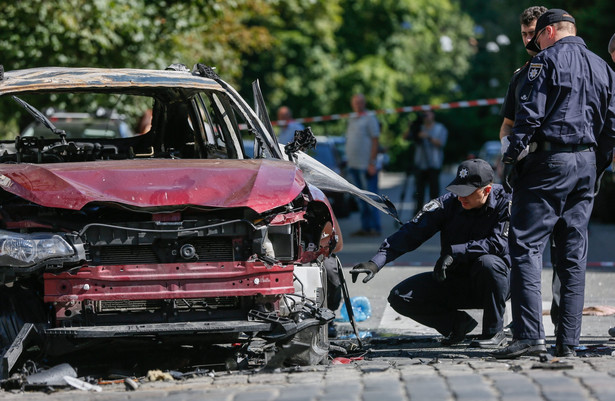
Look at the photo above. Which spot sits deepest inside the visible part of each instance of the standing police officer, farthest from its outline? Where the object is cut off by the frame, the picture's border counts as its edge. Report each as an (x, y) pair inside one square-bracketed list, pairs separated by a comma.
[(566, 120), (472, 271), (528, 20)]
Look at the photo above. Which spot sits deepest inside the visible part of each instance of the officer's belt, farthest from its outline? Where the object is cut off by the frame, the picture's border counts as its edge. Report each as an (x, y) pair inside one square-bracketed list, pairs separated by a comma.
[(559, 147)]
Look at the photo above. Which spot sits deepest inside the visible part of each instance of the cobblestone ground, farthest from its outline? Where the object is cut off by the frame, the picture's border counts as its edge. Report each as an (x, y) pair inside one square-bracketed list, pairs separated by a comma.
[(388, 368)]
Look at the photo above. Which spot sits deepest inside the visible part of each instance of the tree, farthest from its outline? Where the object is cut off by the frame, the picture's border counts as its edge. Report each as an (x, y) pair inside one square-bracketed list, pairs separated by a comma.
[(130, 34)]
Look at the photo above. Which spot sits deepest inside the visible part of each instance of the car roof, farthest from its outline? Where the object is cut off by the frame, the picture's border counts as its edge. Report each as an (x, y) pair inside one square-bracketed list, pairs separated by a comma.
[(121, 79)]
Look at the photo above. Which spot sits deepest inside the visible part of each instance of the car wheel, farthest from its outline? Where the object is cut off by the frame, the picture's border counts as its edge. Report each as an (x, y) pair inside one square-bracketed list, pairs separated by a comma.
[(17, 306)]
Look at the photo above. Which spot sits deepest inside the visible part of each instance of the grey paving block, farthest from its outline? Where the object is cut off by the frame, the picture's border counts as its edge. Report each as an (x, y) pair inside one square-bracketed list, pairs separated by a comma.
[(426, 387), (471, 387), (555, 386), (256, 395), (510, 385), (599, 384)]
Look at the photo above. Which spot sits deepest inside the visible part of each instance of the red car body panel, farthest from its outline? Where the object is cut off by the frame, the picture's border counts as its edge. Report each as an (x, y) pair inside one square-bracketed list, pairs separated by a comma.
[(162, 281), (258, 184)]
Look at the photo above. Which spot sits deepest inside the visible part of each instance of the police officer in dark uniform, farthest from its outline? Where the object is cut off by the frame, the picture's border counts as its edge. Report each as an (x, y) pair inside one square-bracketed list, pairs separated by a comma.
[(565, 119), (528, 20), (473, 269)]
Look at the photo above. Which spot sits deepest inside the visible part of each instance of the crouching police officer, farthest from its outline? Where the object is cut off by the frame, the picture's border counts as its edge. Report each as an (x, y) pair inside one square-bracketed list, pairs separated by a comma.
[(472, 271)]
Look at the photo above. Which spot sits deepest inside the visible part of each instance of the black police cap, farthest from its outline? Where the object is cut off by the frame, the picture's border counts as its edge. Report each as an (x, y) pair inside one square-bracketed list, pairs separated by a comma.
[(471, 175), (549, 17)]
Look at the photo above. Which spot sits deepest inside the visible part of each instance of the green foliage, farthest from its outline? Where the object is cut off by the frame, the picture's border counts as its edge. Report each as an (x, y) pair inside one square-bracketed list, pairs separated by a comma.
[(310, 55)]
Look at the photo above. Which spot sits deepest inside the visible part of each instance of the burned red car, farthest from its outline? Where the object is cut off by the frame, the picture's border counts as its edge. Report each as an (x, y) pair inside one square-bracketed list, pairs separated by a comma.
[(172, 237)]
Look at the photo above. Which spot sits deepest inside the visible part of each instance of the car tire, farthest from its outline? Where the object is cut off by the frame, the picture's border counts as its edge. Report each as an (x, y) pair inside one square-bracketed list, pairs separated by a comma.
[(17, 306)]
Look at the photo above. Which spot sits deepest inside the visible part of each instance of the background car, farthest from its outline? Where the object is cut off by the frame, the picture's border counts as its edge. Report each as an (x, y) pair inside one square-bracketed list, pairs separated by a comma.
[(101, 124)]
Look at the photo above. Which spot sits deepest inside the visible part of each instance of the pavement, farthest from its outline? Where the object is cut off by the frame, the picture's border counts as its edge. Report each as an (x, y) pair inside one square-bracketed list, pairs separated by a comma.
[(401, 360)]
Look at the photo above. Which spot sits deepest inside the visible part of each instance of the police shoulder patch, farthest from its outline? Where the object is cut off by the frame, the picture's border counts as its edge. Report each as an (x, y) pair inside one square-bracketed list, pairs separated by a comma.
[(431, 205), (533, 71), (428, 207)]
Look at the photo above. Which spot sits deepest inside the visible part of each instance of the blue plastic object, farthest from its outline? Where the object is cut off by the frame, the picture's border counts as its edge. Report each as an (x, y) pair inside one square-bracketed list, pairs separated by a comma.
[(361, 309)]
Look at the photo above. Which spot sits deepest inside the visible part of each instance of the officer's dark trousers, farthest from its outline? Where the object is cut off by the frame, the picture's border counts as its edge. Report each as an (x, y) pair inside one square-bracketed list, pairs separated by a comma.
[(482, 285), (552, 194)]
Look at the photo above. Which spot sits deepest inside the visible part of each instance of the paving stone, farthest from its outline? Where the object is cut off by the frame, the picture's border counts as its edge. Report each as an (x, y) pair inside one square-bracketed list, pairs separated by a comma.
[(342, 389), (599, 384), (230, 380), (255, 395), (383, 396), (426, 387), (514, 386), (268, 378), (310, 377), (555, 386), (471, 387)]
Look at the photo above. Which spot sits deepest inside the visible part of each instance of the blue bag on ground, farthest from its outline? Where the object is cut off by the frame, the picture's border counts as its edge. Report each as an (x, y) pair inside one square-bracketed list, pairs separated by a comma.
[(361, 309)]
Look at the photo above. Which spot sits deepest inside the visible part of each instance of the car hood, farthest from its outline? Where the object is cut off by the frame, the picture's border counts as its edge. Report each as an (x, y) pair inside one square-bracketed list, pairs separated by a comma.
[(159, 184)]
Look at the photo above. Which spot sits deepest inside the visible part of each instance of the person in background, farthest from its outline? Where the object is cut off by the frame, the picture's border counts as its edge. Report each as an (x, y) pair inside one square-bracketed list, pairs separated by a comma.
[(287, 125), (428, 158), (473, 268), (362, 135), (562, 140)]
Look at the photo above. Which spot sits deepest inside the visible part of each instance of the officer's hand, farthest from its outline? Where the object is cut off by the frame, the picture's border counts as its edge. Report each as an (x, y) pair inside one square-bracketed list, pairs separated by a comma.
[(442, 265), (370, 268), (507, 177)]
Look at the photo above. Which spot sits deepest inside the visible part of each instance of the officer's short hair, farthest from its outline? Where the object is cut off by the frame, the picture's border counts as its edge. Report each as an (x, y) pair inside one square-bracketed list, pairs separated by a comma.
[(531, 13), (566, 27), (612, 44)]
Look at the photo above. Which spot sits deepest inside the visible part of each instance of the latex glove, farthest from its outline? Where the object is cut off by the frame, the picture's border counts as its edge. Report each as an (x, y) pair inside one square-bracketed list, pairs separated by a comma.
[(442, 265), (369, 268), (505, 144)]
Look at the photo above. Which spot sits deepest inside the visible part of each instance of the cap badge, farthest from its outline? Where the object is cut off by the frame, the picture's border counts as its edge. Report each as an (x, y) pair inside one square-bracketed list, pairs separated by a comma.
[(463, 173)]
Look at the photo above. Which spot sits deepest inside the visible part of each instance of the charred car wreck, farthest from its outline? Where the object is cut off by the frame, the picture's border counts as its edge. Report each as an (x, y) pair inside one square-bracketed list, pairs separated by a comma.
[(174, 236)]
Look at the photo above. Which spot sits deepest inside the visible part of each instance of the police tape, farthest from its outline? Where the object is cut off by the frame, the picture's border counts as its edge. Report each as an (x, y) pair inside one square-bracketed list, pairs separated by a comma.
[(398, 110)]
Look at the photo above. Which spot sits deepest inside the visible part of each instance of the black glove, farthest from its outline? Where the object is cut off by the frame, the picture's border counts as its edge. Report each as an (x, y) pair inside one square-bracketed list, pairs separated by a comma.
[(442, 265), (507, 177), (370, 268)]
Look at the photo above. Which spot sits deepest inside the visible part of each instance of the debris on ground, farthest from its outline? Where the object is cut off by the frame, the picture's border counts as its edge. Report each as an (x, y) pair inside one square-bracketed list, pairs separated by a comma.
[(599, 310), (81, 385), (159, 375), (131, 385)]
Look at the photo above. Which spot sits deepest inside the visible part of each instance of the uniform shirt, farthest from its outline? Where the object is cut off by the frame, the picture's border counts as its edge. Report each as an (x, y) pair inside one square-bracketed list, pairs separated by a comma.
[(464, 234), (512, 94), (361, 130), (566, 97), (426, 154)]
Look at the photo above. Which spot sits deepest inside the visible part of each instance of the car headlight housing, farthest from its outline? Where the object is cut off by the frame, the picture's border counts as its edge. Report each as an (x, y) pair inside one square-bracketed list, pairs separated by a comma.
[(24, 250)]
